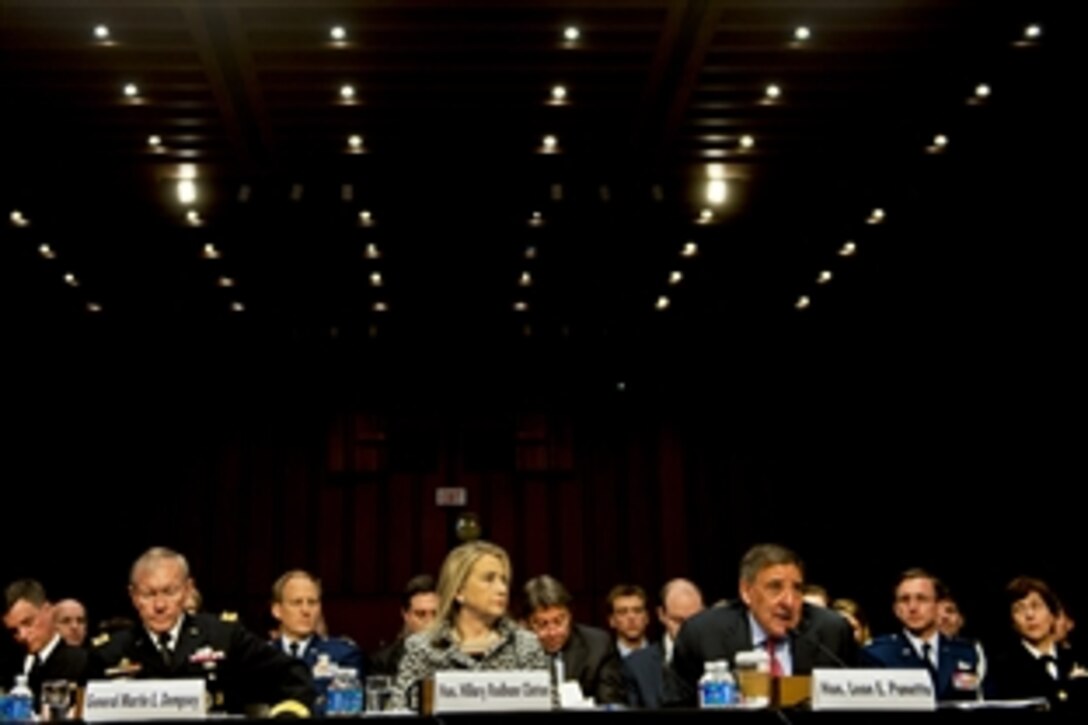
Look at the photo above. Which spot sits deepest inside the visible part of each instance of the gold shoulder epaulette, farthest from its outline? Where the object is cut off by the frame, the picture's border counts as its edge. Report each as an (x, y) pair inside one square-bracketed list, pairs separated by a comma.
[(101, 639), (229, 616)]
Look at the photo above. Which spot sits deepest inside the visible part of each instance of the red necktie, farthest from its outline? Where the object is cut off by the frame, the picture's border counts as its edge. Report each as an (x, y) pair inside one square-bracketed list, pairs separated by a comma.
[(776, 666)]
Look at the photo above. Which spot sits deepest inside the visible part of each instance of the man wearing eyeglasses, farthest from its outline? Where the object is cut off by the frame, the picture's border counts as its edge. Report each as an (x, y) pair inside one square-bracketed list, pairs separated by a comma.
[(242, 671), (577, 652)]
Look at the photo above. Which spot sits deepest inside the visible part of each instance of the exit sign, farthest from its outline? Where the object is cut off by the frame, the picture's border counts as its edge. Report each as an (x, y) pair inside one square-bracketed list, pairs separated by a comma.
[(451, 496)]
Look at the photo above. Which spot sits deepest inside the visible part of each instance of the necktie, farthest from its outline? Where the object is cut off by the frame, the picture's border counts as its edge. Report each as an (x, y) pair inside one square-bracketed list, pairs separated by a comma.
[(557, 668), (1050, 664), (34, 674), (164, 649), (927, 659), (557, 677), (294, 649), (772, 654)]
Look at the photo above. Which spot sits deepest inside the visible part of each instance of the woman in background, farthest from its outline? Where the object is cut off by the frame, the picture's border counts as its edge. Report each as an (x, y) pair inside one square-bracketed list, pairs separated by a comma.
[(1035, 666)]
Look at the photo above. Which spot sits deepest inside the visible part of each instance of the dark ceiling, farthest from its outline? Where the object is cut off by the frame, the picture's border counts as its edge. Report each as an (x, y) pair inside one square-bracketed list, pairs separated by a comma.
[(452, 102)]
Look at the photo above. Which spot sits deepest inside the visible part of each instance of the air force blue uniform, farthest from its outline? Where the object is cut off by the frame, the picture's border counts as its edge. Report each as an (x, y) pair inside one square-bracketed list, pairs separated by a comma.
[(956, 676)]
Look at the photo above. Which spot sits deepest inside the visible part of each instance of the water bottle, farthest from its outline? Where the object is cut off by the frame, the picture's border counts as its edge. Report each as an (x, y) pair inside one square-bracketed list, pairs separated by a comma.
[(323, 672), (716, 687), (336, 694), (353, 692), (20, 701)]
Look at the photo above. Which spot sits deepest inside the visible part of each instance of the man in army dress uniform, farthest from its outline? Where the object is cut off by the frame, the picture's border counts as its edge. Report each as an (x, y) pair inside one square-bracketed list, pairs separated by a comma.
[(241, 670)]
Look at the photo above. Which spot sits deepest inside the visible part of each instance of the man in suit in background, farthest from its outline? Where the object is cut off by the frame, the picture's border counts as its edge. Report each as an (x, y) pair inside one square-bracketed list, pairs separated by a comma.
[(242, 671), (644, 670), (419, 607), (577, 652), (771, 616), (628, 616), (953, 663), (71, 619), (30, 618)]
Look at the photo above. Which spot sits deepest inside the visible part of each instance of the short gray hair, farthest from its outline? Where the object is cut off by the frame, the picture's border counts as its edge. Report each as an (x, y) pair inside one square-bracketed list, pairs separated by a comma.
[(543, 592), (761, 556), (155, 556)]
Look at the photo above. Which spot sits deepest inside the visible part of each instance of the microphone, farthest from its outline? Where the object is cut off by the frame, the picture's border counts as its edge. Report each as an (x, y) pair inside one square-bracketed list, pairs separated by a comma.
[(795, 633)]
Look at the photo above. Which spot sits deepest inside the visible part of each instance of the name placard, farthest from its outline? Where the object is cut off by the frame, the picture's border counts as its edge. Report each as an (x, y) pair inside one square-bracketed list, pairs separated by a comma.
[(492, 691), (892, 689), (107, 700)]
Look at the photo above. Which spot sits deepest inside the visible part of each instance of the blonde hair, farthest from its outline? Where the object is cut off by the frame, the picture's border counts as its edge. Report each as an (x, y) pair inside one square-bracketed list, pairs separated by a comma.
[(850, 608), (455, 570)]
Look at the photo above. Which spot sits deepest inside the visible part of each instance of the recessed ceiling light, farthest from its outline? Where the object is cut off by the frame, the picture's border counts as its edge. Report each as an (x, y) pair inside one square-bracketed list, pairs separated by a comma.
[(70, 279), (802, 33), (559, 93), (676, 277), (823, 277), (876, 217), (747, 141), (525, 280), (130, 90), (94, 307), (1033, 32), (46, 251), (773, 92), (237, 307), (154, 141), (347, 93), (982, 90), (662, 303), (521, 306), (380, 307), (848, 249), (186, 191), (802, 302), (355, 141), (225, 281), (338, 33), (372, 251), (690, 249), (375, 279), (551, 143), (571, 33), (101, 32), (716, 192)]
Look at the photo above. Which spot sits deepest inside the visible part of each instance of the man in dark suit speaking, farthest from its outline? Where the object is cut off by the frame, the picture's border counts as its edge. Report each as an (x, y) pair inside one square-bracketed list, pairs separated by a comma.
[(771, 616)]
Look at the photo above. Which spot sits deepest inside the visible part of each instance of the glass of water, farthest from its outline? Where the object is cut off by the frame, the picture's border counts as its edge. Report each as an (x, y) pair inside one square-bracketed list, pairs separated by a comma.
[(379, 690), (57, 699)]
